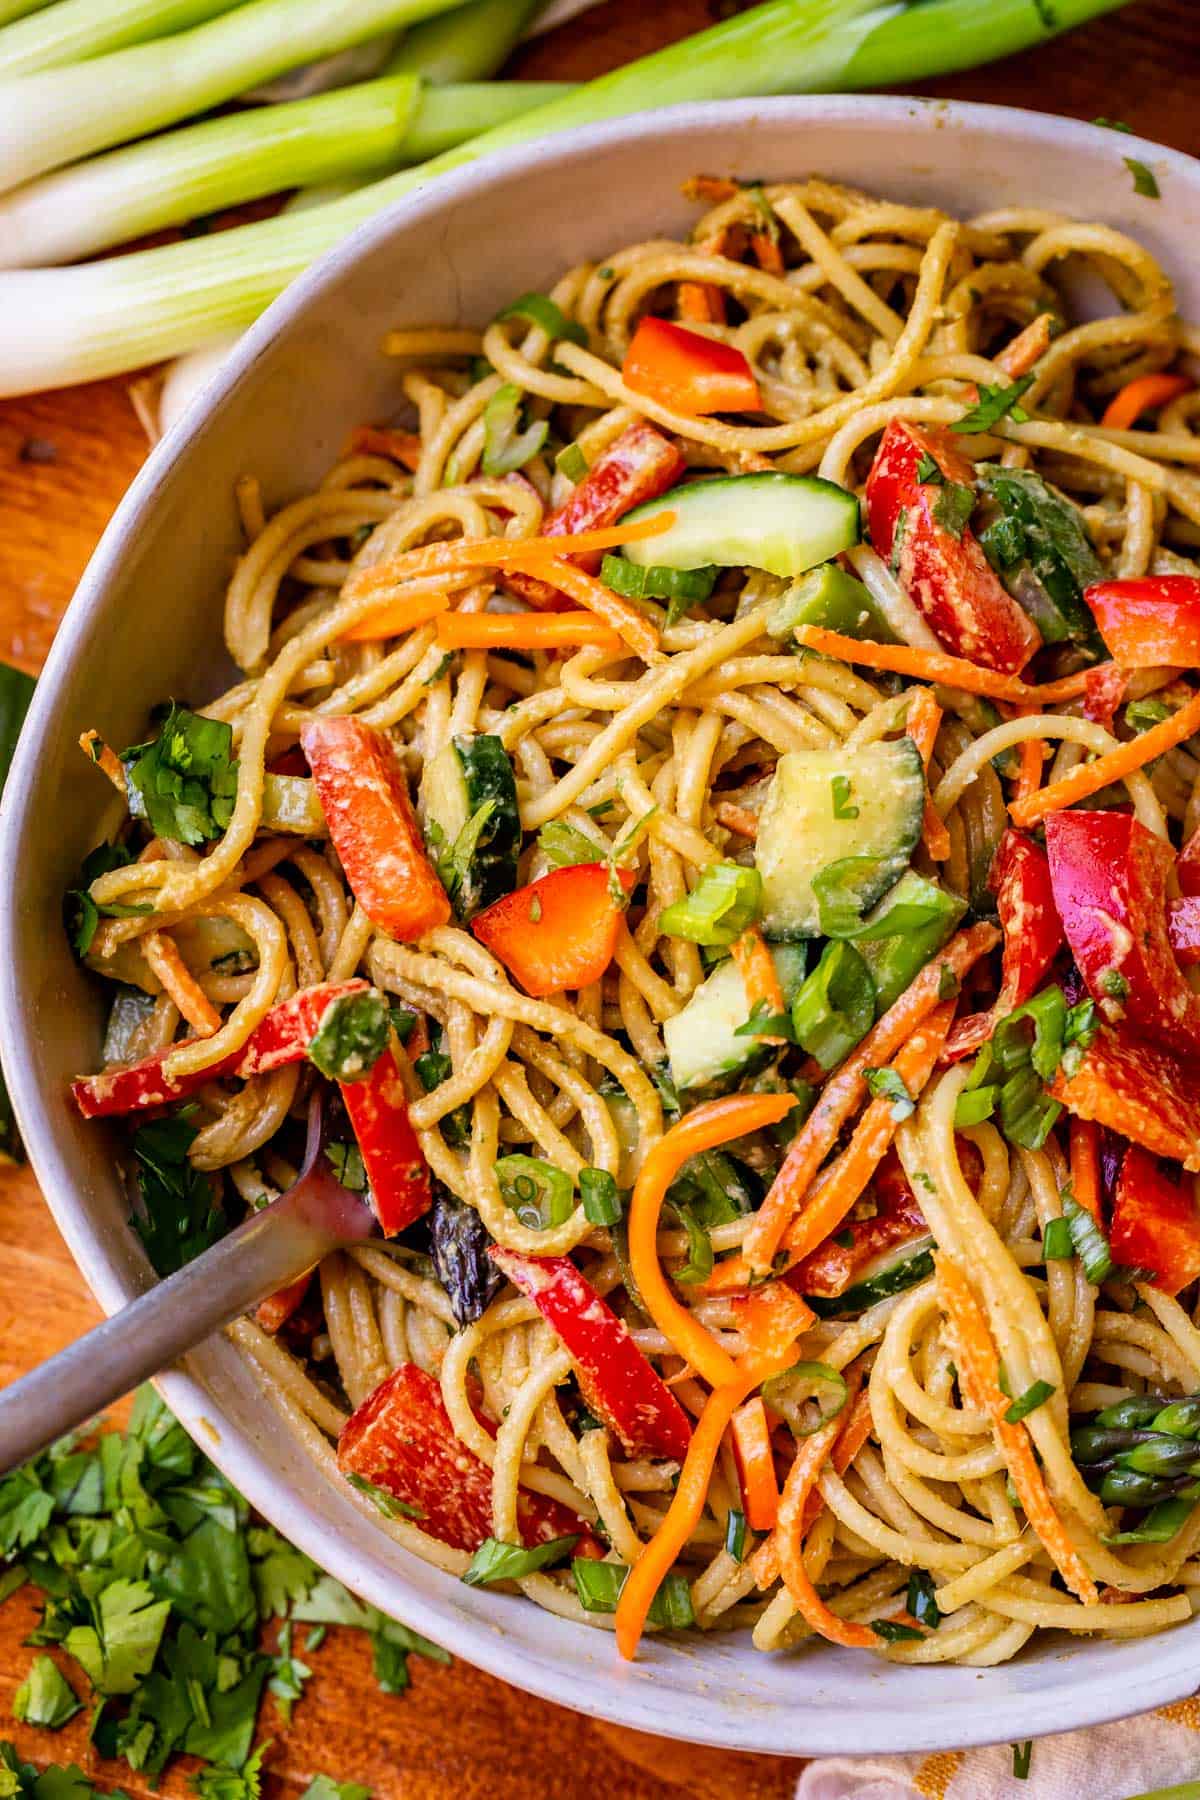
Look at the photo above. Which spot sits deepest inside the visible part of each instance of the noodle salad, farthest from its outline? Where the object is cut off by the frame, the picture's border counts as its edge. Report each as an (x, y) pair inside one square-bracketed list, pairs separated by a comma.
[(711, 819)]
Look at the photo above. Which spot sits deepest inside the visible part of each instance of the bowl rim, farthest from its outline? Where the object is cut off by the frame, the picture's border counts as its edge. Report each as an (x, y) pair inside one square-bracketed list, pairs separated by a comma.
[(1168, 1670)]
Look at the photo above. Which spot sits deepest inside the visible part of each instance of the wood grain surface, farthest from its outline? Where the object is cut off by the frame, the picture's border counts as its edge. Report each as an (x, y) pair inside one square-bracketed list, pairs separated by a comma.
[(65, 460)]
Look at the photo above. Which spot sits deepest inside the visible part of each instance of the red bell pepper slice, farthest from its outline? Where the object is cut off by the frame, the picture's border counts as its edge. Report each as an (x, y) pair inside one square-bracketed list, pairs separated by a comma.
[(688, 371), (398, 1180), (559, 932), (1183, 929), (401, 1439), (1105, 691), (834, 1266), (945, 573), (282, 1037), (1155, 1224), (1138, 1090), (616, 1380), (1020, 879), (365, 800), (1148, 622), (1109, 875), (1187, 869), (639, 465), (273, 1313)]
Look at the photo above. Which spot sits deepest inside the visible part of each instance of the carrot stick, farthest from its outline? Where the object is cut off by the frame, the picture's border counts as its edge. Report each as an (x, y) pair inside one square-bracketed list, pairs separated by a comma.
[(104, 757), (617, 614), (767, 253), (756, 967), (524, 631), (755, 1464), (1083, 1141), (713, 188), (162, 953), (716, 1122), (403, 447), (846, 1090), (979, 1372), (1114, 765), (836, 1189), (855, 1432), (395, 616), (935, 665), (738, 818), (497, 553), (924, 718), (1019, 356), (1136, 397), (789, 1539), (700, 303), (1030, 773), (771, 1317)]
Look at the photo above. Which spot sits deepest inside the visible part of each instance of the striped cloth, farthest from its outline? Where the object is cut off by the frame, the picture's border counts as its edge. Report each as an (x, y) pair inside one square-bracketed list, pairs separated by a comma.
[(1109, 1762)]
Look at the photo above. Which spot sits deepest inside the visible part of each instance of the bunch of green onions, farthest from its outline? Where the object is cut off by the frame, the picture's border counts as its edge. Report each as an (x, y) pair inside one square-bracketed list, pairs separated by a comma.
[(83, 83)]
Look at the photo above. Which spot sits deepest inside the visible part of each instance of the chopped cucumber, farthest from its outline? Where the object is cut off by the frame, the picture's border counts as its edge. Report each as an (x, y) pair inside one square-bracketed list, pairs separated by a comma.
[(892, 1274), (468, 804), (835, 833), (907, 927), (129, 1012), (835, 601), (782, 523), (289, 803), (702, 1041)]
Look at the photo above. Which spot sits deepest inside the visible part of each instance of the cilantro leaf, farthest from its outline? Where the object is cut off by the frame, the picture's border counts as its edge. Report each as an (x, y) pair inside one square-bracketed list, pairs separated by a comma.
[(993, 404), (886, 1084), (232, 1784), (953, 507), (119, 1646), (929, 473), (181, 1216), (352, 1036), (1144, 179), (81, 915), (288, 1675), (45, 1697), (184, 781)]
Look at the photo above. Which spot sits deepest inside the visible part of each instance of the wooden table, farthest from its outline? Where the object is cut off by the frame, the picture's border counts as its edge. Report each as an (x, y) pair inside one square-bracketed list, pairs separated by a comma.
[(65, 460)]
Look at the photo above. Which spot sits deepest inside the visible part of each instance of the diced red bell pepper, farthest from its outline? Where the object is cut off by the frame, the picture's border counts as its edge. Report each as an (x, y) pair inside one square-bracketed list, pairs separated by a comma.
[(639, 465), (1187, 869), (401, 1439), (399, 1186), (1020, 879), (365, 800), (274, 1312), (1138, 1090), (1183, 929), (282, 1037), (1105, 691), (560, 931), (1155, 1224), (833, 1267), (1148, 622), (614, 1377), (945, 573), (1110, 878), (688, 371)]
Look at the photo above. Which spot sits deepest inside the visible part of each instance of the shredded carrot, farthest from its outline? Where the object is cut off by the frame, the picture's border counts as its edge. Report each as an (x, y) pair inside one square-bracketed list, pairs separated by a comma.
[(1019, 356), (756, 966), (788, 1540), (1030, 773), (1084, 1154), (854, 1434), (395, 616), (713, 188), (1089, 777), (418, 1039), (700, 303), (1136, 397), (104, 757), (979, 1372), (403, 447), (631, 625), (755, 1464), (498, 553), (836, 1189), (845, 1090), (162, 953), (924, 718), (767, 253), (936, 665), (772, 1316), (524, 631), (715, 1122), (738, 818)]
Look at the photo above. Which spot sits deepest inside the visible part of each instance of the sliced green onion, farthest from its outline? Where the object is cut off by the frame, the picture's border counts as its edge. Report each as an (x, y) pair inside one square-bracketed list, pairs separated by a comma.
[(1022, 1758), (505, 446), (1028, 1402), (726, 899), (895, 1631), (779, 1396), (974, 1105), (352, 1036), (840, 889), (1033, 1034), (540, 1195), (1027, 1113), (735, 1534), (77, 29), (600, 1196), (688, 587), (468, 44), (572, 463), (599, 1585), (834, 1007), (497, 1561), (699, 1264), (920, 1599), (1057, 1242), (563, 846), (1091, 1246), (547, 315), (16, 692)]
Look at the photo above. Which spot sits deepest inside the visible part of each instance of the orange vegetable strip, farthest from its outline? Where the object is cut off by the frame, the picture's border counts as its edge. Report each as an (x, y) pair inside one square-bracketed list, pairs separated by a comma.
[(700, 303), (1029, 777), (756, 966), (767, 253), (936, 665), (857, 1429), (755, 1464), (716, 1122), (1019, 356), (979, 1372), (104, 757), (617, 613), (403, 447), (1113, 765), (771, 1317), (162, 953), (1136, 397), (1084, 1155), (789, 1539), (498, 553), (924, 718), (738, 818), (524, 631), (845, 1090), (713, 188), (395, 616)]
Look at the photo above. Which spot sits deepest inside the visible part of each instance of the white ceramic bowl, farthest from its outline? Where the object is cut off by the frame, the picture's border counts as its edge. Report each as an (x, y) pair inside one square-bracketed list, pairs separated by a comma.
[(146, 623)]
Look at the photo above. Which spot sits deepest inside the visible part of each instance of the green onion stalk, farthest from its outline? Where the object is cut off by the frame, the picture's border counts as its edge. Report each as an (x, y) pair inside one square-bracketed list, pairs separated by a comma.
[(69, 325), (55, 36)]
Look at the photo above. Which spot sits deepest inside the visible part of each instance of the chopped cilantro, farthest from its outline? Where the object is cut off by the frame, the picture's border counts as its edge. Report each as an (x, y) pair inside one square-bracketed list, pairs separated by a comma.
[(843, 788), (1114, 125), (181, 1216), (184, 781), (323, 1787), (992, 406), (352, 1036), (928, 472), (45, 1697), (953, 507), (886, 1084), (895, 1631), (1144, 181)]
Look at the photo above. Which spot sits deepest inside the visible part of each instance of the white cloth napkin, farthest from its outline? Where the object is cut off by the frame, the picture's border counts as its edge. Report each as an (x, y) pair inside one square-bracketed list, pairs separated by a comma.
[(1109, 1762)]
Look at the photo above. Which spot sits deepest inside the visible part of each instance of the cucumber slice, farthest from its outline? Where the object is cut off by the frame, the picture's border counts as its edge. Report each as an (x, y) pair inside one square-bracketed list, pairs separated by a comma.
[(468, 803), (835, 833), (782, 523), (702, 1041), (835, 601), (901, 1269), (907, 927)]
